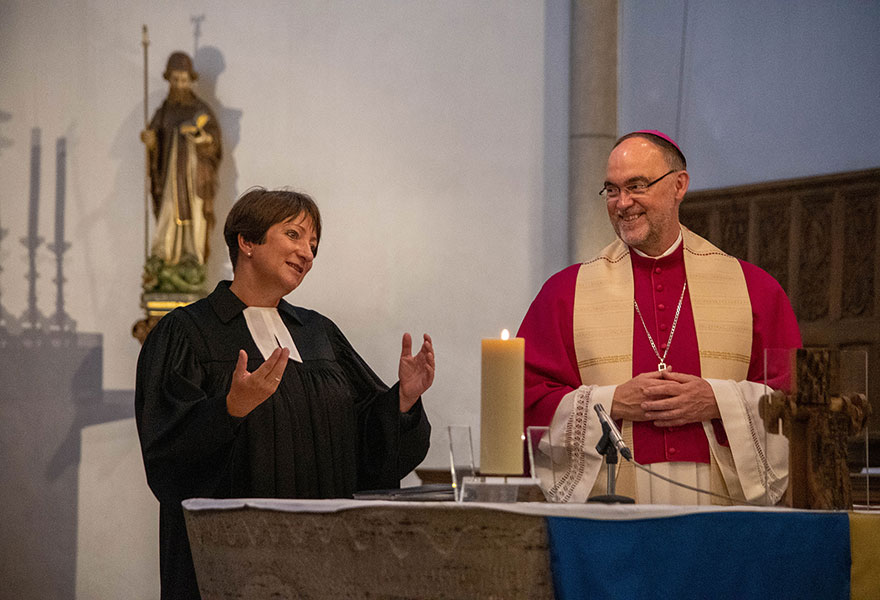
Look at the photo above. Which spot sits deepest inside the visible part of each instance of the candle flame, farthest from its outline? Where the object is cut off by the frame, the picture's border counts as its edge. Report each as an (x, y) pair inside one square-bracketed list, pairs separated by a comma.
[(505, 335)]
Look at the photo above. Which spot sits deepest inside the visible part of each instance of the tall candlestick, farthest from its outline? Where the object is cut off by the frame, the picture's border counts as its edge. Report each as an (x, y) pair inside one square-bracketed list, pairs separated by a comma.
[(32, 319), (60, 321), (34, 205), (60, 188), (501, 410)]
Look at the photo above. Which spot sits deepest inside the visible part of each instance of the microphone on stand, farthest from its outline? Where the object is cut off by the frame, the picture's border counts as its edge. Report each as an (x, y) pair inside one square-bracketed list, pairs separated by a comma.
[(613, 432), (610, 445)]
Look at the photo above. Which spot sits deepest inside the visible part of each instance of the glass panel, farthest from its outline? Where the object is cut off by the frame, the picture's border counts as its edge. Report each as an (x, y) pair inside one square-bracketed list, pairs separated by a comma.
[(780, 381), (461, 456), (854, 388)]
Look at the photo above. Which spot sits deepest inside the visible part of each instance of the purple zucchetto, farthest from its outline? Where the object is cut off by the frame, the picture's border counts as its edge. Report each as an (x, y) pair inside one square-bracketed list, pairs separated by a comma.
[(659, 134), (665, 138)]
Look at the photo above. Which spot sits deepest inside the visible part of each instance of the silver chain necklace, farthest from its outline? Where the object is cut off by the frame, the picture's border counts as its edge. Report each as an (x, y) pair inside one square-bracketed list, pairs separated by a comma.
[(662, 366)]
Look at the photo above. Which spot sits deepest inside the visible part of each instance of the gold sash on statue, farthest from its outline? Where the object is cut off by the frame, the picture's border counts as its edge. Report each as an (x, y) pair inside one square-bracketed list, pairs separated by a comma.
[(603, 325)]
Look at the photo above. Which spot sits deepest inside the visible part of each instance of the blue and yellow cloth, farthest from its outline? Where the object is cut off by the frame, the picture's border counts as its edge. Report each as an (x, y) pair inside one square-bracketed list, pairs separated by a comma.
[(718, 555)]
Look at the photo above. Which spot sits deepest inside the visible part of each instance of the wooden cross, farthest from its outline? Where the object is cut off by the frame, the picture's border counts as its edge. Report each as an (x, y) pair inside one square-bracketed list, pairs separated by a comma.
[(817, 420)]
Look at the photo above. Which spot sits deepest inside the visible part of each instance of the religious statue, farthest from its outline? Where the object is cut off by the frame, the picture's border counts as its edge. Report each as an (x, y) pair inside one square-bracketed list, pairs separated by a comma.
[(184, 145)]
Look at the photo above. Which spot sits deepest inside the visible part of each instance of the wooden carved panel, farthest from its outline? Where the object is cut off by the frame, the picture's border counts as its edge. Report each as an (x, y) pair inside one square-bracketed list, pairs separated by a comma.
[(772, 239), (814, 268), (858, 277), (698, 221), (734, 234)]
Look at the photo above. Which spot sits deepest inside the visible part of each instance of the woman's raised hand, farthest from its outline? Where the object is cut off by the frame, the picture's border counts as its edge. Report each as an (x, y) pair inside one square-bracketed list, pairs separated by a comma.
[(416, 373), (249, 390)]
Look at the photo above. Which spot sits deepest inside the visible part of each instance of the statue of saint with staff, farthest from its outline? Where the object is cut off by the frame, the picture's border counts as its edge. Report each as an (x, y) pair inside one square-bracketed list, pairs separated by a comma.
[(184, 147)]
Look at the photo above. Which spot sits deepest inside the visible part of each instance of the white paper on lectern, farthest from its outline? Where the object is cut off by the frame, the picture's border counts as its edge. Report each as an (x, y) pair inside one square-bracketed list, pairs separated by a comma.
[(623, 512)]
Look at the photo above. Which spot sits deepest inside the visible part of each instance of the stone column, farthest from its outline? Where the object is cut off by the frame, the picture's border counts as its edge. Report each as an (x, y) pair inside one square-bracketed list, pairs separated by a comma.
[(593, 122)]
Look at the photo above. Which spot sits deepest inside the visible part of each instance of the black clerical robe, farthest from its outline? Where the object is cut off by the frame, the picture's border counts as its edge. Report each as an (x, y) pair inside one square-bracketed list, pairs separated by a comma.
[(331, 428)]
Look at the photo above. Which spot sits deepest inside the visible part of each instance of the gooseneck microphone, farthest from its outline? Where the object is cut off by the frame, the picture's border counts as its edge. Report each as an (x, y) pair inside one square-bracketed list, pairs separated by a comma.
[(613, 432)]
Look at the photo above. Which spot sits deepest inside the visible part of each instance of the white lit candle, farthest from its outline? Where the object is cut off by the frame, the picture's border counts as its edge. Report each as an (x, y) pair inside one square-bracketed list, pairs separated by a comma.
[(501, 409)]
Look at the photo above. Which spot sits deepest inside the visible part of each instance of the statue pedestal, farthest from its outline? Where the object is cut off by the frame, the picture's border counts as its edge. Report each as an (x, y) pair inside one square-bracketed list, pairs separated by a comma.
[(156, 305)]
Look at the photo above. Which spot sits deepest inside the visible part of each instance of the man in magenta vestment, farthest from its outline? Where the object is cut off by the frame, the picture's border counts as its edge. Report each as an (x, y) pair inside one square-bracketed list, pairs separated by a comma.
[(669, 334)]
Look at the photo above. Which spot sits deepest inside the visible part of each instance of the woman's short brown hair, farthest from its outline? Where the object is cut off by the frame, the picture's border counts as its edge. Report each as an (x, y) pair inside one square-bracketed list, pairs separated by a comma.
[(258, 209)]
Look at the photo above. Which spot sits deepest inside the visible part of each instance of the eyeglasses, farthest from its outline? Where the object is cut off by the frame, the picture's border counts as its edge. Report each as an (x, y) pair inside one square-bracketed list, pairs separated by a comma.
[(635, 190)]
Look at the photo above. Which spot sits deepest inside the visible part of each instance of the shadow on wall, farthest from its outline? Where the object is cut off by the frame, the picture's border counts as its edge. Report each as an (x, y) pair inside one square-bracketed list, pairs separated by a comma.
[(209, 64), (4, 141), (50, 389), (51, 393)]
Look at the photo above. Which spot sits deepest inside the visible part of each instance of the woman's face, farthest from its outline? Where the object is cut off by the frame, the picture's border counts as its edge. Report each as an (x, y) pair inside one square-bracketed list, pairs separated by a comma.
[(284, 259)]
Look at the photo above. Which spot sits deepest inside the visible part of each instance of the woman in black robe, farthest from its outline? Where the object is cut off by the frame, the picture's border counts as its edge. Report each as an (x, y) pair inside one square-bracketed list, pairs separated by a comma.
[(217, 420)]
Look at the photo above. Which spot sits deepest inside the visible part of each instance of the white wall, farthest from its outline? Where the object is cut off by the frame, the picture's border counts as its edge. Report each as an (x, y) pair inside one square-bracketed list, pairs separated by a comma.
[(431, 133)]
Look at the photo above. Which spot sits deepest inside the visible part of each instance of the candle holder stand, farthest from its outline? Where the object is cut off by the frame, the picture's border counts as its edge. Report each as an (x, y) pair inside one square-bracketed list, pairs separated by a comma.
[(473, 486)]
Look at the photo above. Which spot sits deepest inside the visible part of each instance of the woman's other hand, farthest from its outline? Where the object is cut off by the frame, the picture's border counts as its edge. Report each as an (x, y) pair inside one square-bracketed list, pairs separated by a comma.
[(249, 390), (416, 373)]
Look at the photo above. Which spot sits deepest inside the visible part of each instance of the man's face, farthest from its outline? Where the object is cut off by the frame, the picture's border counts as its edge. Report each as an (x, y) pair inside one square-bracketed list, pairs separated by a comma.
[(648, 222), (180, 81)]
